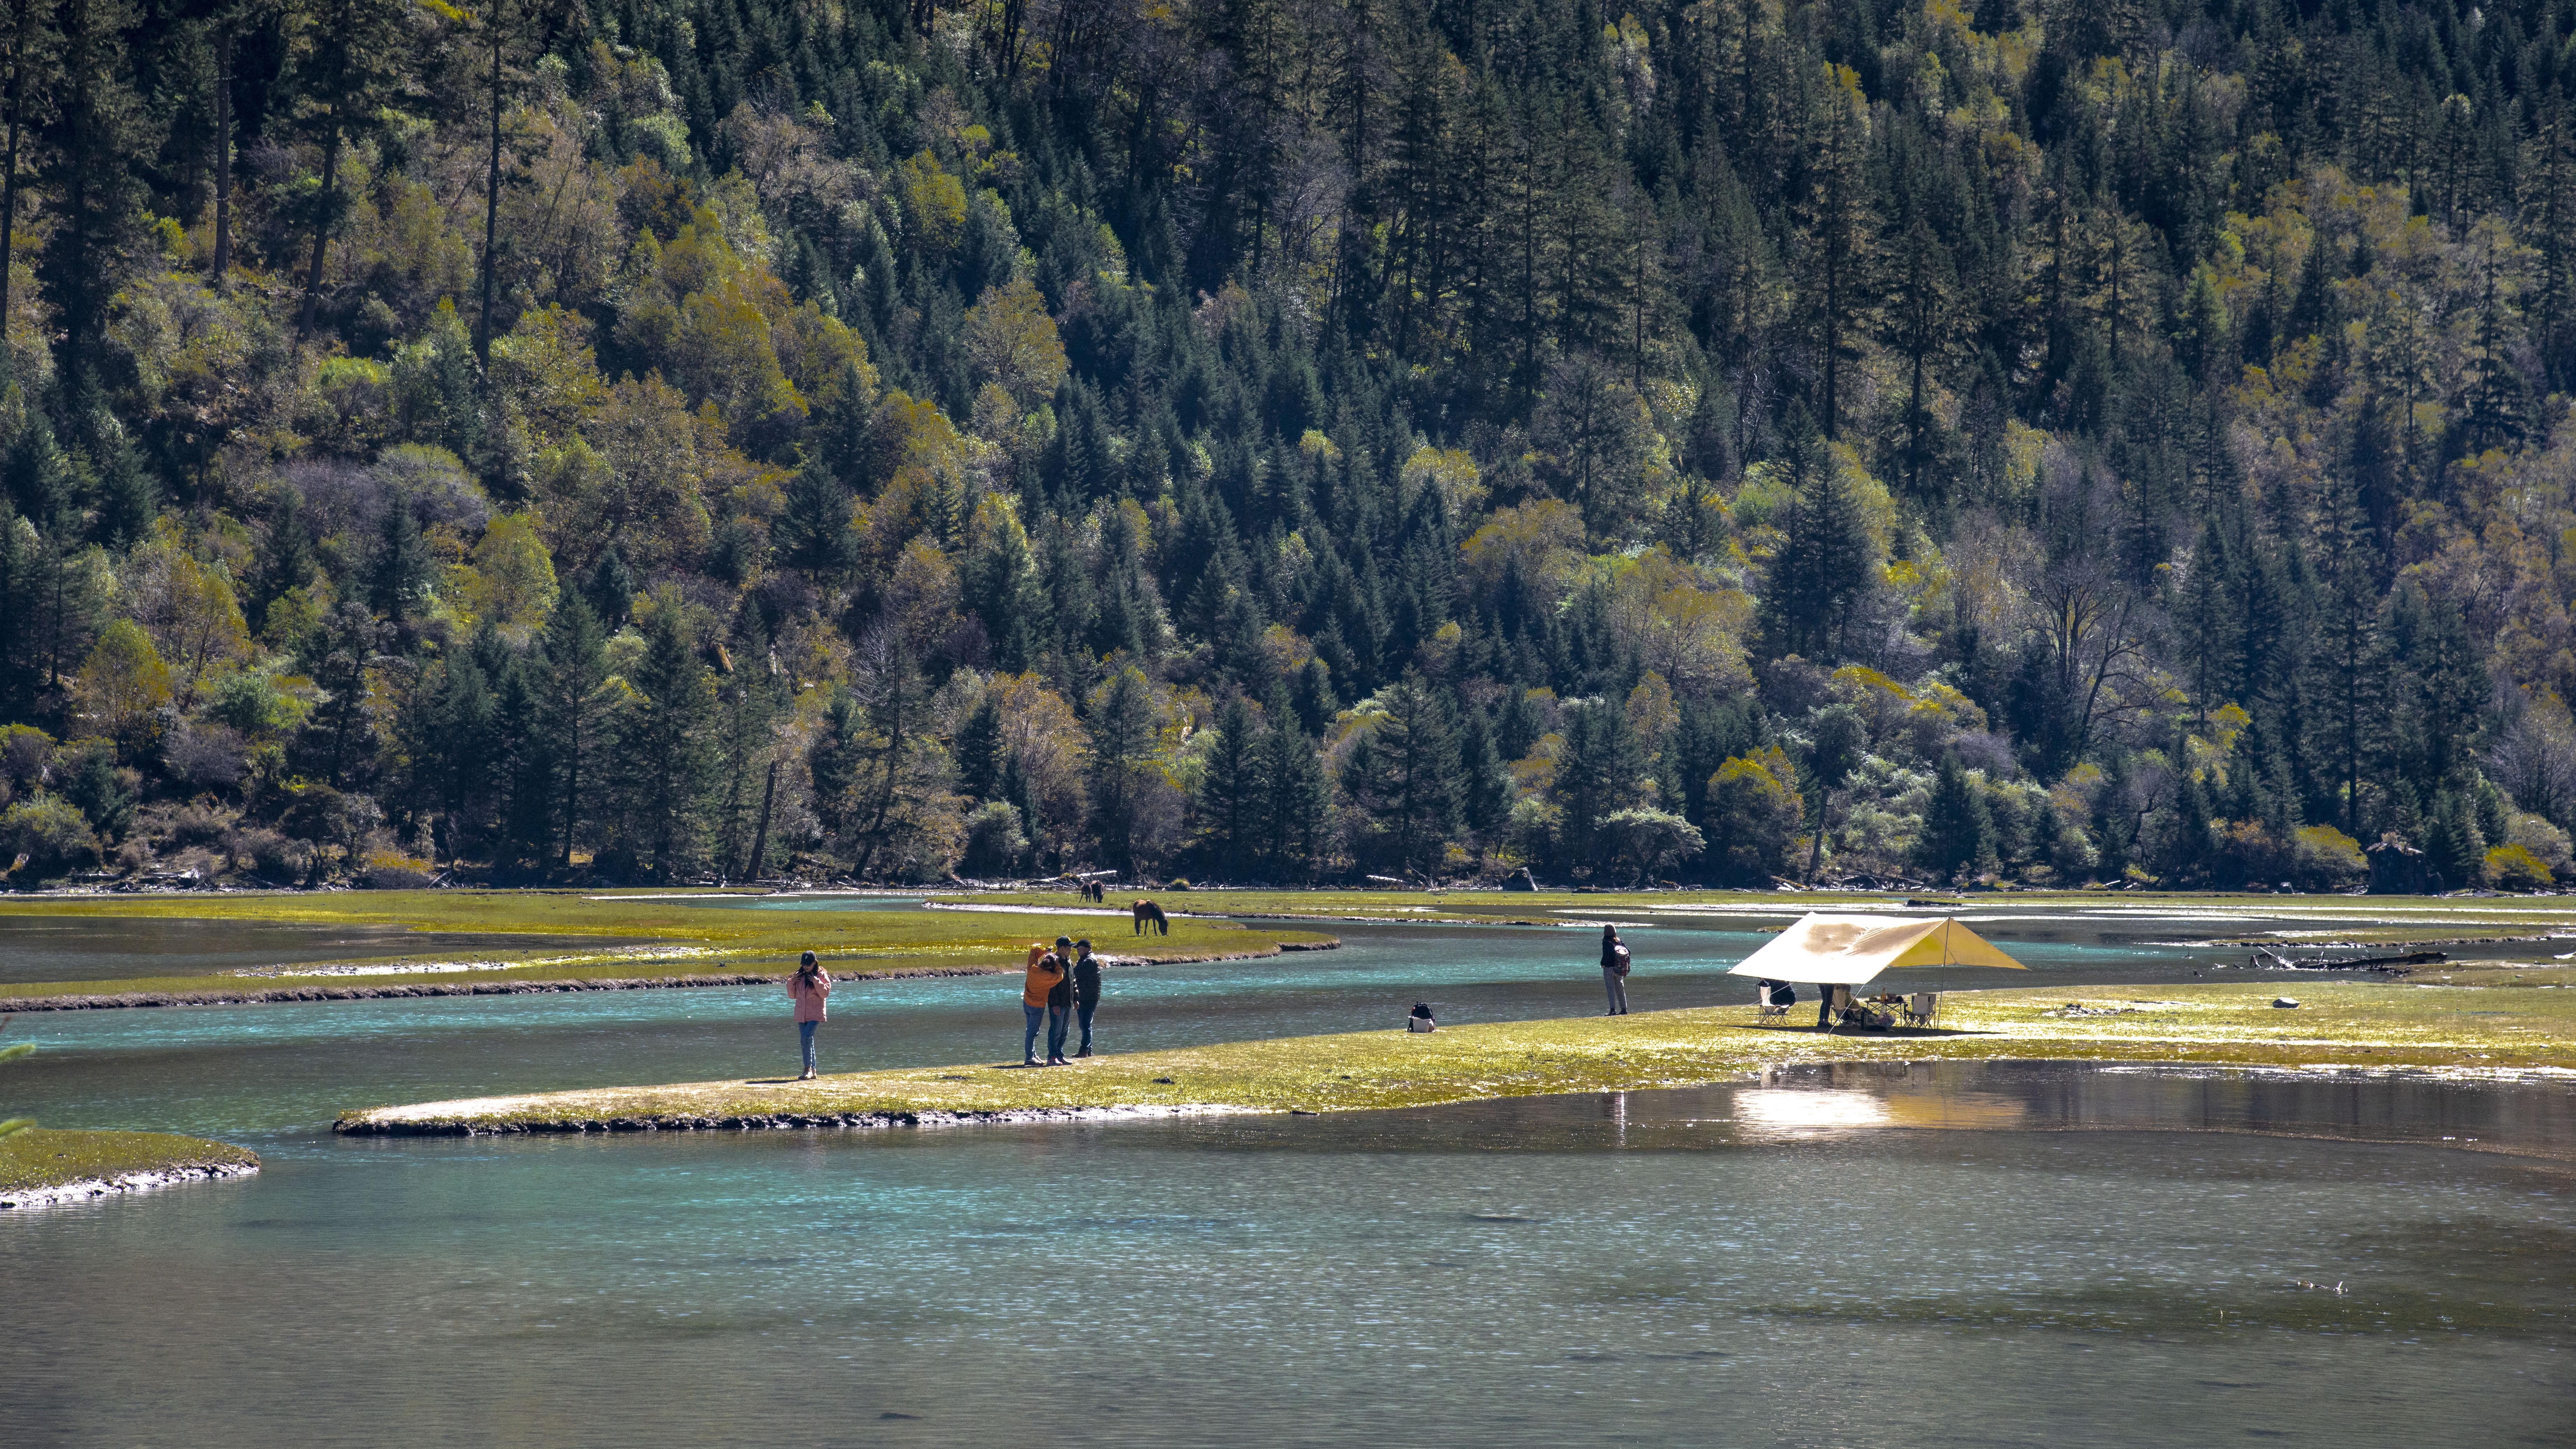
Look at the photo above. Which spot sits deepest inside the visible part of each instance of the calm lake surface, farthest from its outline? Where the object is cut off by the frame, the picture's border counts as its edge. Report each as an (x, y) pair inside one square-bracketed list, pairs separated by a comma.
[(1995, 1255), (78, 948)]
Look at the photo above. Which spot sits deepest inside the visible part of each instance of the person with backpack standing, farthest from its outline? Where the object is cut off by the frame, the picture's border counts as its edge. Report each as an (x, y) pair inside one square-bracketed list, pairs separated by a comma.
[(1614, 970), (1086, 992), (810, 987), (1044, 972)]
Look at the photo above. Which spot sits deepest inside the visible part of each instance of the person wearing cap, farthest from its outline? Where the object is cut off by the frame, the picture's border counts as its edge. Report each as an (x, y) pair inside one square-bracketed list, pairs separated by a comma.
[(1045, 971), (1086, 991), (1060, 1002)]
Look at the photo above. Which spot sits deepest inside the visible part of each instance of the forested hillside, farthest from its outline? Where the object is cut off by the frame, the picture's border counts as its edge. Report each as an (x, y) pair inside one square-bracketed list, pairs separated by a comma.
[(1287, 440)]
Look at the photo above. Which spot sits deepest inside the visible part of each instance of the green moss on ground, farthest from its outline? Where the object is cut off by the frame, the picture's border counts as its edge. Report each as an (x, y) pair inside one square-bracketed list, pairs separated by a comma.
[(662, 940), (2351, 1024), (38, 1158)]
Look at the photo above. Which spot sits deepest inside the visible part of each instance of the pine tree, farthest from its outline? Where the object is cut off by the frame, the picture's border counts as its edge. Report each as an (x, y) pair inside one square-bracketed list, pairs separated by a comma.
[(1824, 564), (1295, 802), (978, 750), (1836, 738), (1958, 829), (1122, 756), (349, 57), (1226, 803), (665, 749), (1403, 779)]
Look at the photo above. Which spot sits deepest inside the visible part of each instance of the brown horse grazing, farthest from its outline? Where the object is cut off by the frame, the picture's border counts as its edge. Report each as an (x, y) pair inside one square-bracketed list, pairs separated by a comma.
[(1095, 890), (1148, 911)]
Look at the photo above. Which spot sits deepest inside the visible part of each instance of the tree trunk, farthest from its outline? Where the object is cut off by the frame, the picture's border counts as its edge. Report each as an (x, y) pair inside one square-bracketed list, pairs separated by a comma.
[(572, 793), (223, 160), (321, 233), (1816, 847), (760, 835), (491, 207), (9, 181)]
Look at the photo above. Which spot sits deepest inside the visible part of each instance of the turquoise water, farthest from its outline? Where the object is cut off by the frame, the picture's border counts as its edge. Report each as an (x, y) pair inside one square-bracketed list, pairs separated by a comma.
[(286, 1068), (75, 948), (1737, 1265), (2045, 1255)]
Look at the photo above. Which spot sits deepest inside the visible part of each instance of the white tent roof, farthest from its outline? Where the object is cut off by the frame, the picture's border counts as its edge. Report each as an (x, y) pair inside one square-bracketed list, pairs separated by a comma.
[(1822, 950)]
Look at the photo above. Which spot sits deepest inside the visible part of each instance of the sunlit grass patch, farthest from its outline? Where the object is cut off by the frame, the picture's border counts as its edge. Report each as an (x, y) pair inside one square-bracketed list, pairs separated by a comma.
[(659, 936), (39, 1159), (2345, 1024)]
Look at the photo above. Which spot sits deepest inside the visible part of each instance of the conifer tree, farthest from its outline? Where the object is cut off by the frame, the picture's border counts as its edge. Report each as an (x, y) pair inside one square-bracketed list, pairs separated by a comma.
[(665, 749), (1228, 796), (1958, 828)]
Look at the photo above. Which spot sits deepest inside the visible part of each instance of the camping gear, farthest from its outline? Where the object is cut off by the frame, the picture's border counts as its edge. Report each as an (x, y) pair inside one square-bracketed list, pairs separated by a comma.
[(1772, 1000), (1823, 950)]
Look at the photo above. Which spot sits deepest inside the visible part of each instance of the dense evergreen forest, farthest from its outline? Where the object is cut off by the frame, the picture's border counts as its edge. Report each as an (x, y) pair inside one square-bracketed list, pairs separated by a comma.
[(1289, 440)]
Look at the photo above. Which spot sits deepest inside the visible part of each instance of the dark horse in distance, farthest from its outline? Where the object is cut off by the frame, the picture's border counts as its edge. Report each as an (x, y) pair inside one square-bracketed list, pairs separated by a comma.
[(1148, 913)]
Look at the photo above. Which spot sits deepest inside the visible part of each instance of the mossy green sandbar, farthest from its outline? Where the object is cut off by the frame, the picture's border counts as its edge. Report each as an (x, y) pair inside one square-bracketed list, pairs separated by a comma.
[(2339, 1024), (651, 939), (38, 1166)]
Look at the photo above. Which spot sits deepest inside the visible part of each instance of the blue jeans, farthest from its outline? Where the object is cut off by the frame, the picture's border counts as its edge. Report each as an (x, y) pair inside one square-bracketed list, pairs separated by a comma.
[(1082, 1011), (1056, 1019), (805, 1030), (1029, 1043)]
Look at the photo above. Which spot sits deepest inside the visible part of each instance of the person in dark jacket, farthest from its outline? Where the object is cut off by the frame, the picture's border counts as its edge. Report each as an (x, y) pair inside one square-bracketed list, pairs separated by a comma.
[(1614, 970), (1060, 1002), (1086, 991)]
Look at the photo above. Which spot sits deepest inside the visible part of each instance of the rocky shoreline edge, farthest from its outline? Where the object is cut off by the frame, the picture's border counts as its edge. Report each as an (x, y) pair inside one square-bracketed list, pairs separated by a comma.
[(108, 1001), (88, 1189), (355, 1126)]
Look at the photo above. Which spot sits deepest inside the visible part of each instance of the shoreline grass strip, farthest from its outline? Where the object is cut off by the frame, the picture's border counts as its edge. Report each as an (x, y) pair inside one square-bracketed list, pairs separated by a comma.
[(2340, 1024)]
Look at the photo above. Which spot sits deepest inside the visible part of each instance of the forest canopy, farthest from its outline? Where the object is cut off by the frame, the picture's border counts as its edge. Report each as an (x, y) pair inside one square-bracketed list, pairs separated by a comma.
[(1289, 440)]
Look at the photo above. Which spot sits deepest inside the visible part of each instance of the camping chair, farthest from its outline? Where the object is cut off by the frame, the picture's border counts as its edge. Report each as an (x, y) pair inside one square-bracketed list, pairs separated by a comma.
[(1771, 1001), (1921, 1007)]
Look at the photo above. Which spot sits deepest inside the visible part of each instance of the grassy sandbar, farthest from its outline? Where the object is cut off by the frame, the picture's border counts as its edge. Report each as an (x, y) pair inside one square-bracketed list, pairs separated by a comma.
[(2340, 1024), (634, 940), (42, 1166)]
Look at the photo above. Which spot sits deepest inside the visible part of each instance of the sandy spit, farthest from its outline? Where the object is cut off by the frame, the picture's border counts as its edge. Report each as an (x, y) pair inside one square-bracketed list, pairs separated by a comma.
[(90, 1188), (461, 1119)]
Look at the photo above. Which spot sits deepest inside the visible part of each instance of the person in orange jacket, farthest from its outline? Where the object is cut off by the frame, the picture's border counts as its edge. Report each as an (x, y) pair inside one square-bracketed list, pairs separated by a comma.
[(1044, 972)]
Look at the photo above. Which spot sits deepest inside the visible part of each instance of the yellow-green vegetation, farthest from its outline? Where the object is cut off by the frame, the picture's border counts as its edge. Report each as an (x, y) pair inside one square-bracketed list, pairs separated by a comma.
[(2338, 1024), (1471, 907), (651, 938), (2282, 920), (39, 1163)]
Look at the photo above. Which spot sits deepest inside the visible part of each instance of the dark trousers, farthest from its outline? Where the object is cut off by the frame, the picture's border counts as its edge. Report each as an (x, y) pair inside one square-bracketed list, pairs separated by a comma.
[(1082, 1013), (1056, 1016)]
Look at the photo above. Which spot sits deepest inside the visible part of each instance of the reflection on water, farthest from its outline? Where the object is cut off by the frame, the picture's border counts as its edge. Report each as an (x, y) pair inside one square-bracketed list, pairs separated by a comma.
[(1780, 1263)]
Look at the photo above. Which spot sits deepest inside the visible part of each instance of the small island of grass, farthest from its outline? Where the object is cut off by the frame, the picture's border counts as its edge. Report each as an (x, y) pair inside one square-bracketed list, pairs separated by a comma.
[(2338, 1025), (39, 1167)]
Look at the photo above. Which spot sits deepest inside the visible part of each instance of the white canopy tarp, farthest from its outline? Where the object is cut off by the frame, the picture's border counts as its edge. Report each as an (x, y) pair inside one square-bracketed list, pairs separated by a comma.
[(1821, 950)]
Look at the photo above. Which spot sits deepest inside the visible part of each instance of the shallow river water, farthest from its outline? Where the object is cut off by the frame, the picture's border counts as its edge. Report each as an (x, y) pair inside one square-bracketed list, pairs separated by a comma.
[(2001, 1255)]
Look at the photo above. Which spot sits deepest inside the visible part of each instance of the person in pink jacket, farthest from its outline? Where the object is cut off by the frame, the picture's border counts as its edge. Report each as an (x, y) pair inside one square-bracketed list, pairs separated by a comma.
[(809, 986)]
